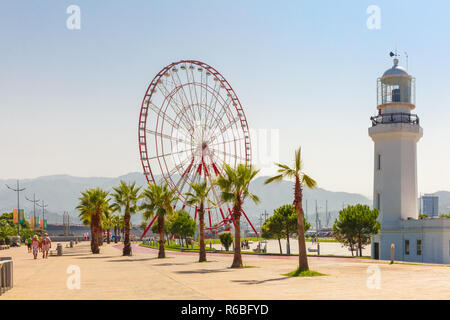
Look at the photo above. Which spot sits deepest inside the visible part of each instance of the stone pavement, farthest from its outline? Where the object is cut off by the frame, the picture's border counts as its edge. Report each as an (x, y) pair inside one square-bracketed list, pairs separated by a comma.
[(179, 276)]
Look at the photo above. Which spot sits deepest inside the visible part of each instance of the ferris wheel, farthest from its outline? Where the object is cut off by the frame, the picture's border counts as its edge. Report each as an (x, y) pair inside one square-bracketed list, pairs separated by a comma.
[(191, 123)]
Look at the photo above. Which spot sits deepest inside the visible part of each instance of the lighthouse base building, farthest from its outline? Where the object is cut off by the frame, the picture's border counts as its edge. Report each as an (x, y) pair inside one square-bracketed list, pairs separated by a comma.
[(395, 132)]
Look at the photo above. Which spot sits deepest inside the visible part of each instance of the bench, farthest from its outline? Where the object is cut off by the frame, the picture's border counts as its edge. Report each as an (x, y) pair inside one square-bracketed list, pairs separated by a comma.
[(313, 250)]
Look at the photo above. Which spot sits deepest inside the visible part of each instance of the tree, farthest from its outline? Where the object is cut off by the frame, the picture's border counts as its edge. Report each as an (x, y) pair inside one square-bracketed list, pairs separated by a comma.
[(288, 217), (199, 197), (166, 227), (125, 197), (107, 224), (182, 225), (158, 199), (273, 228), (226, 239), (93, 203), (234, 186), (355, 225), (282, 224), (117, 224), (6, 231), (301, 179)]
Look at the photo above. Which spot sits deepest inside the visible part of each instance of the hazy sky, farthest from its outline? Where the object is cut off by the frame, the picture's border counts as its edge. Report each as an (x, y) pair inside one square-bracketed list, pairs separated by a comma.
[(70, 99)]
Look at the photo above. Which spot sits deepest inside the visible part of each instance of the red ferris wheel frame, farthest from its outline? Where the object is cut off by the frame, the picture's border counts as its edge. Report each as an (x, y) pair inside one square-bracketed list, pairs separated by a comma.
[(147, 106)]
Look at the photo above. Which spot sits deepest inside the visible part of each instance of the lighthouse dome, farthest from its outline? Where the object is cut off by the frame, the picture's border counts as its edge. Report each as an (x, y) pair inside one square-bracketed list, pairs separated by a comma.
[(396, 70)]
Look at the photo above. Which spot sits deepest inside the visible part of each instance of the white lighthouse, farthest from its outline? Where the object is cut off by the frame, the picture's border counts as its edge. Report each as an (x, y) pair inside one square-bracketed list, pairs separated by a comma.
[(395, 132)]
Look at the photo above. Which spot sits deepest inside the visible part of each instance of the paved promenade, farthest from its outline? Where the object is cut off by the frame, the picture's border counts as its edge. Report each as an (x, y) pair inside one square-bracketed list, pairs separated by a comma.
[(179, 276)]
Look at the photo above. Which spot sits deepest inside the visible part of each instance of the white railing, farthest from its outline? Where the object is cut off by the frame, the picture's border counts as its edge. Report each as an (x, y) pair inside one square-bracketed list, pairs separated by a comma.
[(6, 274)]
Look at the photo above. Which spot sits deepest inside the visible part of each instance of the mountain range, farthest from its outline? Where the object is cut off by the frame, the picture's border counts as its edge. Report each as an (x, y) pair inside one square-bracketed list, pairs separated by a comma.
[(61, 193)]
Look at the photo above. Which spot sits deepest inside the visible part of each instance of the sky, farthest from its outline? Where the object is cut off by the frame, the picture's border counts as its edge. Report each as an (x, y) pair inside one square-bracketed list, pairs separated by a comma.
[(70, 99)]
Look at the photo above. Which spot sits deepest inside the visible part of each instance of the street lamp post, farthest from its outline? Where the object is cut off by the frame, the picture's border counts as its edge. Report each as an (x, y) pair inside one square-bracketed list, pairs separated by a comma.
[(43, 206), (34, 208), (18, 190)]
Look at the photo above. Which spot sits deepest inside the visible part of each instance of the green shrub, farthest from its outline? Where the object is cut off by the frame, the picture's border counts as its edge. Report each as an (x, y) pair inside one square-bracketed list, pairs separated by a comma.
[(226, 239)]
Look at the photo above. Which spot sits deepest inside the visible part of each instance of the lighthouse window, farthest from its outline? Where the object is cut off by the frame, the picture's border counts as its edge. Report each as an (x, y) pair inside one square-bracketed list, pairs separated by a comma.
[(419, 247), (406, 246)]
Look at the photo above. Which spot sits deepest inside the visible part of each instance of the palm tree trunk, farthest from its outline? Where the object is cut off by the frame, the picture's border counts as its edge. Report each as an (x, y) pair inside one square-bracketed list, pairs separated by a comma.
[(298, 197), (201, 215), (100, 234), (161, 252), (115, 234), (95, 220), (92, 235), (108, 237), (126, 226), (237, 259)]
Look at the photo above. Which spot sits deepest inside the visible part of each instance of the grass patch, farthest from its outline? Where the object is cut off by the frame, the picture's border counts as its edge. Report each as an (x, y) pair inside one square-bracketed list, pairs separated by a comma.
[(307, 273), (419, 264)]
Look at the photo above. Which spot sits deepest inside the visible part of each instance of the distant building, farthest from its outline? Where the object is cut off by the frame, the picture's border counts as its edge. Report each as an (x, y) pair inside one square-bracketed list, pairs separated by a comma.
[(430, 205)]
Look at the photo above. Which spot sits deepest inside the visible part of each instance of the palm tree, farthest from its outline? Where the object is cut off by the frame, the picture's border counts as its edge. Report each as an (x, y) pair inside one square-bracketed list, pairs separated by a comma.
[(234, 185), (106, 224), (199, 197), (301, 179), (158, 199), (93, 203), (116, 224), (125, 197)]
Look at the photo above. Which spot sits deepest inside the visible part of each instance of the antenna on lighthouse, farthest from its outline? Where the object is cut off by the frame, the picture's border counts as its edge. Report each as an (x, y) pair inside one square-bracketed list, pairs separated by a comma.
[(406, 55)]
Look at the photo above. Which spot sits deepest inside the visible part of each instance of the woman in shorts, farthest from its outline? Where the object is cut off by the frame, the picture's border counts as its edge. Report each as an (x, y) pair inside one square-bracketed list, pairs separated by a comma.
[(35, 244)]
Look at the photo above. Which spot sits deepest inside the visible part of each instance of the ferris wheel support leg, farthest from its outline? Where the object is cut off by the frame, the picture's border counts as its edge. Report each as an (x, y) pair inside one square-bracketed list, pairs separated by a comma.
[(221, 212), (209, 215), (232, 218), (249, 222), (151, 223)]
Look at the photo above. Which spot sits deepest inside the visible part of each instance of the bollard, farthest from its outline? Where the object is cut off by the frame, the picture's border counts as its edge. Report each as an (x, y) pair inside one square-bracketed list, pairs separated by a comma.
[(59, 249), (392, 252), (71, 243)]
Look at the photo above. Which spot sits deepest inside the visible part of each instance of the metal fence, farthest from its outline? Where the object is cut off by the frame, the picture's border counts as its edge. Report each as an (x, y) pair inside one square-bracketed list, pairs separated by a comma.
[(6, 274), (395, 117)]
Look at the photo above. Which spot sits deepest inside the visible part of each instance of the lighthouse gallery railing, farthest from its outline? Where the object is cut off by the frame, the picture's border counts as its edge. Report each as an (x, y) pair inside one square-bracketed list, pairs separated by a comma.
[(396, 117)]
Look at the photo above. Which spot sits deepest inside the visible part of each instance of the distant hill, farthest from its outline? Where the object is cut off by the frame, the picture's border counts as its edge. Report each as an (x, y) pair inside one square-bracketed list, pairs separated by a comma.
[(61, 192)]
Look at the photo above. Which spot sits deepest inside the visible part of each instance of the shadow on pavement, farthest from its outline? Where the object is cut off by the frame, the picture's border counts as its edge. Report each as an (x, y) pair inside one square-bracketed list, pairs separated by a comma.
[(202, 271), (259, 281), (132, 260)]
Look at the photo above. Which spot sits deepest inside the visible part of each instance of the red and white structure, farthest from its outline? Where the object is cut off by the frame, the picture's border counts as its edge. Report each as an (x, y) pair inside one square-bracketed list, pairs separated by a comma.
[(192, 123)]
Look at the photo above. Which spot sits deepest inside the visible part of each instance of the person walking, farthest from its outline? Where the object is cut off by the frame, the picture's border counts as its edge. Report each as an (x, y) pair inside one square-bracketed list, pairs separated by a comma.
[(35, 244), (40, 243), (46, 245), (29, 240)]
